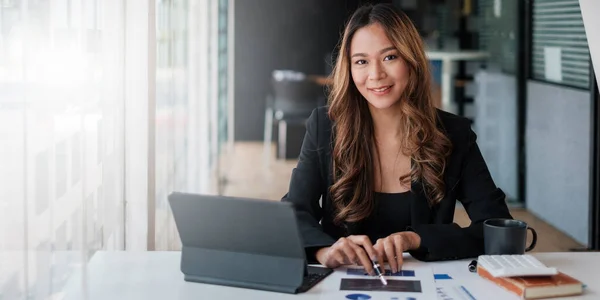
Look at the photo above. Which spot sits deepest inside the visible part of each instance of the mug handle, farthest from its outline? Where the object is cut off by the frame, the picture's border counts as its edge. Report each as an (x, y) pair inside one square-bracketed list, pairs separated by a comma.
[(533, 241)]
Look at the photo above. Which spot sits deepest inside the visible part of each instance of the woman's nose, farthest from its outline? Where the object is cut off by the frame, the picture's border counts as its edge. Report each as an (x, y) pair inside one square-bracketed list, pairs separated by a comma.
[(376, 72)]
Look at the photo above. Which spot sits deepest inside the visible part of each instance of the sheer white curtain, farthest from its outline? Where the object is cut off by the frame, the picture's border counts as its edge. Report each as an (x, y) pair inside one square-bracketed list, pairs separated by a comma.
[(62, 119), (191, 92), (104, 110)]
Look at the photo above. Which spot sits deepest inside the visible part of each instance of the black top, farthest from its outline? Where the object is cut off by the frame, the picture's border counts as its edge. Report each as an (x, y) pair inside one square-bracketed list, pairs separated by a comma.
[(466, 177), (390, 215)]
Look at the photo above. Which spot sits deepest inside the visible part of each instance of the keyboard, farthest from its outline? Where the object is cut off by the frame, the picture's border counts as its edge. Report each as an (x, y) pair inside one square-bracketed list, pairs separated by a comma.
[(514, 265), (312, 276), (312, 279)]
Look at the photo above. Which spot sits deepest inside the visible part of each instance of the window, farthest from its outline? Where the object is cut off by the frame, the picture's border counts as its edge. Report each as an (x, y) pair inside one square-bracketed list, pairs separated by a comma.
[(560, 51), (498, 32)]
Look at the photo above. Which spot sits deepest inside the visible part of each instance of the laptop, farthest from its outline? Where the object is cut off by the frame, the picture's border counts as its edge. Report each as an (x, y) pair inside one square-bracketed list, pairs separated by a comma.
[(242, 242)]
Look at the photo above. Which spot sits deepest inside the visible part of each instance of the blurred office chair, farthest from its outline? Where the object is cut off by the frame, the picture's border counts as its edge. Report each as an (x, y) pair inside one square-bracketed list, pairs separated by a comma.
[(291, 103)]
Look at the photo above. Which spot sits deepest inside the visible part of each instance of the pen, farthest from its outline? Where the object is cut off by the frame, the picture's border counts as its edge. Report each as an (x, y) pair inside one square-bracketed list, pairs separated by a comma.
[(473, 266), (378, 270)]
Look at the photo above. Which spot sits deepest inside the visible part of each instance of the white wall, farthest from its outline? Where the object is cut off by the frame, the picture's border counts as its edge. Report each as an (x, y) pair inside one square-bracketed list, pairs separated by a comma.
[(590, 9), (496, 127), (558, 145), (558, 157)]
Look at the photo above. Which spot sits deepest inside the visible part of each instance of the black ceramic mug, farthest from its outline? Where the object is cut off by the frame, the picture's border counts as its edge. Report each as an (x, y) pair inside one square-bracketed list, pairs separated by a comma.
[(506, 236)]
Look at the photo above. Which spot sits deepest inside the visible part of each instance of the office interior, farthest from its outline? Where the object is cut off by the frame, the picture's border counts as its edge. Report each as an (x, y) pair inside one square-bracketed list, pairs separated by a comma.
[(106, 107)]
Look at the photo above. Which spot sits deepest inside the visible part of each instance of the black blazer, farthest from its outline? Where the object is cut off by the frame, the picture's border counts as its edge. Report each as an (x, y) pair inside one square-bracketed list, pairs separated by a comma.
[(467, 179)]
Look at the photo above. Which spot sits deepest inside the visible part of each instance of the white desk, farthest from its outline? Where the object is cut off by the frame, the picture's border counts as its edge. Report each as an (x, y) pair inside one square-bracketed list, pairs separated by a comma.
[(448, 58), (156, 275)]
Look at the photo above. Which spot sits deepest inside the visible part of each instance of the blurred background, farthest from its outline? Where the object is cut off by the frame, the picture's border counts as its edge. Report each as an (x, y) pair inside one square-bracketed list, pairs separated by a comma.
[(107, 106)]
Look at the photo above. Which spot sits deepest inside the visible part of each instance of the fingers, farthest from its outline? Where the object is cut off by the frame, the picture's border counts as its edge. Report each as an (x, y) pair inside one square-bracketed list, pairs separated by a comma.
[(359, 250), (399, 246), (390, 252), (351, 257), (363, 258), (365, 242), (333, 257), (365, 245), (380, 251), (353, 250), (391, 249), (338, 257)]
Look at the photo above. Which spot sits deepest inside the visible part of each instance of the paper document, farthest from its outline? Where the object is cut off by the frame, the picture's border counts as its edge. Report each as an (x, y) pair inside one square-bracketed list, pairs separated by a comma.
[(446, 287), (415, 281), (454, 282), (453, 291)]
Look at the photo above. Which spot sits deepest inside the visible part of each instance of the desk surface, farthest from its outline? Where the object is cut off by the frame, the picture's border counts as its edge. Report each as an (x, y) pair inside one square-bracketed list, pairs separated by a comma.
[(156, 275)]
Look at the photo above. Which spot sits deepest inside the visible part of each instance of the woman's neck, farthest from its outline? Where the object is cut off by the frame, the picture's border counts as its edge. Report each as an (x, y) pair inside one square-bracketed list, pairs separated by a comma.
[(387, 123)]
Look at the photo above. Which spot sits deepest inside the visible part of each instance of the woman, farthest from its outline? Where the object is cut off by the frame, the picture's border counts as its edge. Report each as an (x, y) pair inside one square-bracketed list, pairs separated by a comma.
[(388, 165)]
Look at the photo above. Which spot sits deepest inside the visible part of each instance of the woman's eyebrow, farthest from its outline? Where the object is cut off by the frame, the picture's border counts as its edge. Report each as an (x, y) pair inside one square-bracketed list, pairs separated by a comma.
[(384, 50)]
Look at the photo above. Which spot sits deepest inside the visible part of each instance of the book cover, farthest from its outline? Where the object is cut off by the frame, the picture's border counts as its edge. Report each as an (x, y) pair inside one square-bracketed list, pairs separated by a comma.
[(534, 287)]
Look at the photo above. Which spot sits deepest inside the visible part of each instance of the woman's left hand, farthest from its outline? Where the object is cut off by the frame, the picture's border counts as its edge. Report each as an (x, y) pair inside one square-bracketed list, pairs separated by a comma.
[(392, 247)]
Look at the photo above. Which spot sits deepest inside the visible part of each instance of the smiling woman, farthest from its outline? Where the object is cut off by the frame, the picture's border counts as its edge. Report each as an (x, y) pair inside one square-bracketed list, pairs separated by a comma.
[(387, 164), (389, 70), (382, 73)]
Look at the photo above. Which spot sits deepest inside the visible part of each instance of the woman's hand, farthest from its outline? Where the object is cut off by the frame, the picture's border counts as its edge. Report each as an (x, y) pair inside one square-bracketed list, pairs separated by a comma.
[(392, 247), (354, 249)]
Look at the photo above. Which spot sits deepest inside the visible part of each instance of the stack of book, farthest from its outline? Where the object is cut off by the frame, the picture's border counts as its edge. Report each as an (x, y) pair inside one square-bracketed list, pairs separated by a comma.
[(535, 287)]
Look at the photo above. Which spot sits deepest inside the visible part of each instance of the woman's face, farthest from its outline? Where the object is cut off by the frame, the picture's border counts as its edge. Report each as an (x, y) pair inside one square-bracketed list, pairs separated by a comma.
[(377, 69)]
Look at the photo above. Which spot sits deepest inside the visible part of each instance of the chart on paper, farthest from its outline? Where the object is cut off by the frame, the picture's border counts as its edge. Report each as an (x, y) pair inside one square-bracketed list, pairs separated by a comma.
[(405, 284), (388, 272), (412, 282)]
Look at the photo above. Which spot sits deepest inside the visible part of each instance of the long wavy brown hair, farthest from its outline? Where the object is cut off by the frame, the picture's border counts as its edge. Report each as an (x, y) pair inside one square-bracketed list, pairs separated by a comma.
[(353, 149)]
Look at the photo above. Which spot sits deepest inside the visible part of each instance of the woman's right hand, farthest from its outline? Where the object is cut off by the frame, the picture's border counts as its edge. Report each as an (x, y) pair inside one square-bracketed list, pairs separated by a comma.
[(354, 249)]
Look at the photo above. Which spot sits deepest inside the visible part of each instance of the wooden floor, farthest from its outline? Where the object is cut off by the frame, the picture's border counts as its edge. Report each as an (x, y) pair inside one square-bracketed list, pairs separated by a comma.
[(247, 175)]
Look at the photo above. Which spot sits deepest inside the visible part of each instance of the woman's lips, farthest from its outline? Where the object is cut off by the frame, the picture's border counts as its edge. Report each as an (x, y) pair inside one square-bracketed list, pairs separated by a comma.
[(381, 90)]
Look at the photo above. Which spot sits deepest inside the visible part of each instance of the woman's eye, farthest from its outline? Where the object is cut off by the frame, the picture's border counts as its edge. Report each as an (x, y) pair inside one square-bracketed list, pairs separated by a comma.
[(390, 57), (360, 62)]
